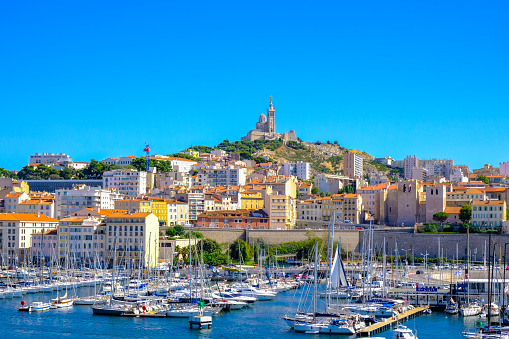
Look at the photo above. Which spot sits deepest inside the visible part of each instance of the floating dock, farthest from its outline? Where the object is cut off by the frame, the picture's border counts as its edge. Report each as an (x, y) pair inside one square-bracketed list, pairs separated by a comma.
[(390, 322)]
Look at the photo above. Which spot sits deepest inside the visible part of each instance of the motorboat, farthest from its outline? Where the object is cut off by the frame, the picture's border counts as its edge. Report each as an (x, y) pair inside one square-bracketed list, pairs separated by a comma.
[(403, 332), (333, 326), (38, 306)]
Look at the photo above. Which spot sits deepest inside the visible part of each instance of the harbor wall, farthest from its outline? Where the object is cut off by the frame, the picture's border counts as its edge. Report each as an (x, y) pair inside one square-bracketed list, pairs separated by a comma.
[(349, 238), (416, 243)]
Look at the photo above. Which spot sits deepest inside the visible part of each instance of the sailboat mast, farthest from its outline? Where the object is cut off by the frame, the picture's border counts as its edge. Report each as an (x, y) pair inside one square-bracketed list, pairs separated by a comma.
[(315, 278)]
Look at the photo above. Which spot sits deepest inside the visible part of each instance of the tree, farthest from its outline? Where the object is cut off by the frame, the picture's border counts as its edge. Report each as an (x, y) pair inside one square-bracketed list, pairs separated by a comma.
[(430, 228), (465, 213), (347, 189), (210, 245), (440, 217), (246, 251), (297, 193), (315, 190), (483, 178), (179, 230), (336, 142)]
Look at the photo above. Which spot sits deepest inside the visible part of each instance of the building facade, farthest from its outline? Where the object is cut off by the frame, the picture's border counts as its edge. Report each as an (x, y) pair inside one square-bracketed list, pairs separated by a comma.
[(130, 183)]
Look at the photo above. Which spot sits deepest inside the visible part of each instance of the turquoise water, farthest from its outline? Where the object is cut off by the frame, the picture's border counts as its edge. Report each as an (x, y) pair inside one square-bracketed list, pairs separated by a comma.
[(259, 321)]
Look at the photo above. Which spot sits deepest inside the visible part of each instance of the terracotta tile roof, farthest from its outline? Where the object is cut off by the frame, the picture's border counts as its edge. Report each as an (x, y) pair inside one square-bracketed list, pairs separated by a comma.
[(452, 210), (35, 202), (74, 219), (25, 217), (126, 215), (488, 202)]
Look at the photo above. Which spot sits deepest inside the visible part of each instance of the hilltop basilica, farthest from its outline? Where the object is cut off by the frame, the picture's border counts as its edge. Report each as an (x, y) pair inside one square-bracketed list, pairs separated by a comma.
[(266, 128)]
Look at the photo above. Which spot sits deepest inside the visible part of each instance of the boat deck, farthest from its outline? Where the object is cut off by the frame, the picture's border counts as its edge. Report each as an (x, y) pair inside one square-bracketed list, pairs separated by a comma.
[(390, 322)]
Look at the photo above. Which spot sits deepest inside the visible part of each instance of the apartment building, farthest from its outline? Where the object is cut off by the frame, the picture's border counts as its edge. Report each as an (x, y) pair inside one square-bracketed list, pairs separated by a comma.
[(488, 214), (16, 231), (134, 205), (128, 182), (44, 246), (281, 210), (12, 200), (241, 218), (298, 169), (79, 239), (69, 201), (49, 158), (178, 212), (218, 175), (39, 206), (134, 237), (353, 165), (251, 198)]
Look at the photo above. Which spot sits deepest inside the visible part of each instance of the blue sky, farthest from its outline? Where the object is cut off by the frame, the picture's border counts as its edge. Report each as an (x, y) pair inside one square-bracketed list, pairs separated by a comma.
[(97, 79)]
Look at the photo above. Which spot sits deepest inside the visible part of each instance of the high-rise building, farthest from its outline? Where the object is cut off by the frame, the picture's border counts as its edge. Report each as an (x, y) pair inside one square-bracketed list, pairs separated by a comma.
[(353, 165), (299, 169), (129, 182), (69, 201), (410, 162)]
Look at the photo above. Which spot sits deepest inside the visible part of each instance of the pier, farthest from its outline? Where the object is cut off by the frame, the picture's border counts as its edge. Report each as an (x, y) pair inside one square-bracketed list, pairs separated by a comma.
[(390, 322)]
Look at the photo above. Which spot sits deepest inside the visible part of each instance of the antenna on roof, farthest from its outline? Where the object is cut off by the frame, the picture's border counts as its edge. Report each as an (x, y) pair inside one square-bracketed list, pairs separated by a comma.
[(147, 155)]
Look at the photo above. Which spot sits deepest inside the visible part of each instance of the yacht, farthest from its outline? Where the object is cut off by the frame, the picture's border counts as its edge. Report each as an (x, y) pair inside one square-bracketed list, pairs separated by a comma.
[(403, 332)]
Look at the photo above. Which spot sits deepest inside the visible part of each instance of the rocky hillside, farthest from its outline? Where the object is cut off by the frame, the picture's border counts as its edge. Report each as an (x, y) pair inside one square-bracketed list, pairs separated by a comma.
[(326, 158)]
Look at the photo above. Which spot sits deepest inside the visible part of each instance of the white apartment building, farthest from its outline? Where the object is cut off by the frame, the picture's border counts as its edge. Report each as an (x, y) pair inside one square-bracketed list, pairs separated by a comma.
[(410, 163), (78, 239), (178, 212), (121, 161), (16, 231), (68, 202), (353, 165), (217, 175), (49, 158), (458, 176), (443, 167), (128, 182), (299, 169), (135, 236)]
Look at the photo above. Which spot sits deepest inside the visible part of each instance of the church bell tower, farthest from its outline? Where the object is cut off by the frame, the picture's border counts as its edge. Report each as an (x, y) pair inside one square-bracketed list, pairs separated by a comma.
[(271, 119)]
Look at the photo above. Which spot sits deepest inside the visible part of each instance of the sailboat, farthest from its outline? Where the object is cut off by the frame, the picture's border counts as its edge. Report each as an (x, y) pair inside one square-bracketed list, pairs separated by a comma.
[(324, 325), (451, 307)]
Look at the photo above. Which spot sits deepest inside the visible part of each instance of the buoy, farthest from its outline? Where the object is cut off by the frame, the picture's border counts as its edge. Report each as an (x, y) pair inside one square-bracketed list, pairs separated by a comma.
[(22, 303), (144, 308)]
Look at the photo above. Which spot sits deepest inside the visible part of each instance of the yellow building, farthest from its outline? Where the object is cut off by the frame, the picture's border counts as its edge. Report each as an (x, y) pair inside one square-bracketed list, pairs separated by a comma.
[(251, 199), (134, 205), (160, 208)]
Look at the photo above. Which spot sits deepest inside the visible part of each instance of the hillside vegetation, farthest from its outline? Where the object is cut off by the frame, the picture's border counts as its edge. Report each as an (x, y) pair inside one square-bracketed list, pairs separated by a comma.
[(323, 157)]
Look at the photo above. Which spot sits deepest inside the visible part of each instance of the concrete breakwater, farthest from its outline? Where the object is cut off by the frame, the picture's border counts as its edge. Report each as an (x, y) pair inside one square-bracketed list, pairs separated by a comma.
[(406, 241)]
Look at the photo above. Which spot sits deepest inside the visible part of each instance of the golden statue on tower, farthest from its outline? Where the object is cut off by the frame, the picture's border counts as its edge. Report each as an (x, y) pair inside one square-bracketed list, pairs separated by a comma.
[(271, 98)]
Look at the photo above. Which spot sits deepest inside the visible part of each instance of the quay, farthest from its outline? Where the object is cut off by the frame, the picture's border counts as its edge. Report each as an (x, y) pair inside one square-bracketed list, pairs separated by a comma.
[(390, 322)]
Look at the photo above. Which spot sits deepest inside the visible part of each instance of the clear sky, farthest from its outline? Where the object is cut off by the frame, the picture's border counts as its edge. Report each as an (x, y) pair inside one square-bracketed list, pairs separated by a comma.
[(96, 79)]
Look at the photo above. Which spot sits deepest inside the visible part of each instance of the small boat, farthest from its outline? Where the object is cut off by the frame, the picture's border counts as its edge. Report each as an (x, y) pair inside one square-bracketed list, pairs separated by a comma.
[(403, 332), (38, 306), (451, 307)]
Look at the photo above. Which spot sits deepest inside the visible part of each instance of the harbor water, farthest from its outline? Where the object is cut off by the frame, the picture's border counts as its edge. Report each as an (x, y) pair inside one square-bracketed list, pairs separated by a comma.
[(261, 320)]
